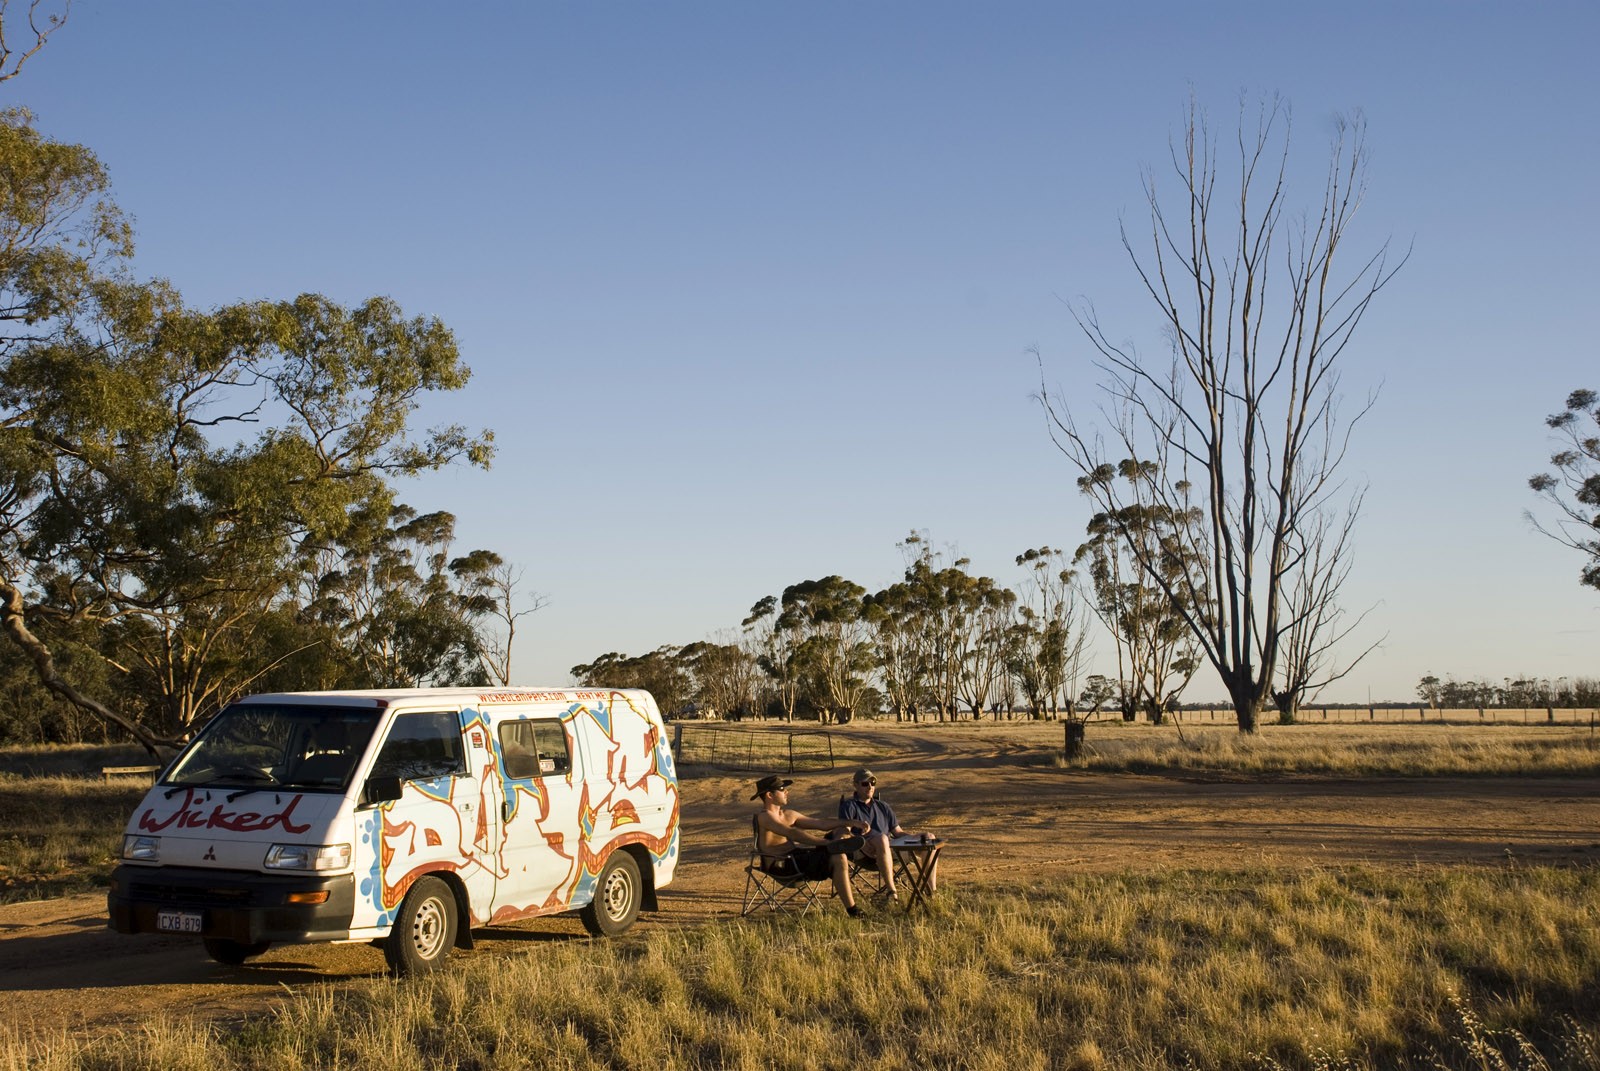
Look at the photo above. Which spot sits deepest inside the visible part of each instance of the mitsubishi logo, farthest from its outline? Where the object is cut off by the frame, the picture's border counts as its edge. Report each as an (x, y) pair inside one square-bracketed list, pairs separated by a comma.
[(211, 853)]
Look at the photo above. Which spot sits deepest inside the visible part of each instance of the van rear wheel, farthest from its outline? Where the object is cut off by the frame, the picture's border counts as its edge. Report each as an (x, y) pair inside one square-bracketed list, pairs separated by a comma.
[(233, 953), (424, 929), (618, 892)]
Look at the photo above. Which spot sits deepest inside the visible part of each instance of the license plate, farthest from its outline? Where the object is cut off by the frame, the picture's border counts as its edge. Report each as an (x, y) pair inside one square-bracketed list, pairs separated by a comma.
[(178, 921)]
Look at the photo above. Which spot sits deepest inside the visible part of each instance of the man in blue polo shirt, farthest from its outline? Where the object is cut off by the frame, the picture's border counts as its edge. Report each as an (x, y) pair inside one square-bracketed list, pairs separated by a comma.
[(865, 806)]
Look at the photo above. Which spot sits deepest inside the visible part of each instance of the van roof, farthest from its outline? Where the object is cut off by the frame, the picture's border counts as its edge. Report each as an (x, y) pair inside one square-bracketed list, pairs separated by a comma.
[(488, 696)]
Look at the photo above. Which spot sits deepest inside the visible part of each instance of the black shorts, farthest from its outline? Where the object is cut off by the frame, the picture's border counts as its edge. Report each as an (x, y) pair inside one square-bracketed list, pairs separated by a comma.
[(811, 863)]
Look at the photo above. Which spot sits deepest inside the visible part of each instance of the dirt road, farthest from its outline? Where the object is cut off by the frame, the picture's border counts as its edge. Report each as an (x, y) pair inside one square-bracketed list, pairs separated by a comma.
[(1010, 818)]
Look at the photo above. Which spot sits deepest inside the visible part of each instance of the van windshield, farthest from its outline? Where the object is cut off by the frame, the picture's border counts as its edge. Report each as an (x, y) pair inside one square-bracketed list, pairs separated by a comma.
[(264, 745)]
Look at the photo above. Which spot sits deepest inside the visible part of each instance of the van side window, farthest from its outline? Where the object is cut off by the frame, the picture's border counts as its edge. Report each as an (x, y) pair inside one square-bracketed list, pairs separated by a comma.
[(422, 747), (534, 748)]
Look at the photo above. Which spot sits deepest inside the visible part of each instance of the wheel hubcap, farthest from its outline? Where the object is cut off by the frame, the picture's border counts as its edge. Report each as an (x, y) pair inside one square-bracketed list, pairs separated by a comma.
[(427, 929), (617, 894)]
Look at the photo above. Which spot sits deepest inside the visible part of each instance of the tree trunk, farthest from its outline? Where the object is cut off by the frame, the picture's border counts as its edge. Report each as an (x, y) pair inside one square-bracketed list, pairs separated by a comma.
[(1248, 699), (1288, 708), (1074, 739), (12, 620)]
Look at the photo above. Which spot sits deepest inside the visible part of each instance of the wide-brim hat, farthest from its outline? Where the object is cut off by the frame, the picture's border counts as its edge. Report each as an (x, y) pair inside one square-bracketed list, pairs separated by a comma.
[(771, 784)]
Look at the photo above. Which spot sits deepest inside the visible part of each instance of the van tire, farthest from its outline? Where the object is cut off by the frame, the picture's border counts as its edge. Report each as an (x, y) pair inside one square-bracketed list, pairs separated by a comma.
[(617, 894), (232, 953), (424, 929)]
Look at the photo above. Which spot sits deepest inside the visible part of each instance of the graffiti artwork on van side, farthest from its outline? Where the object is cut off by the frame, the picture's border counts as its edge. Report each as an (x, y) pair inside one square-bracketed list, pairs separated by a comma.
[(446, 823), (640, 781), (531, 845)]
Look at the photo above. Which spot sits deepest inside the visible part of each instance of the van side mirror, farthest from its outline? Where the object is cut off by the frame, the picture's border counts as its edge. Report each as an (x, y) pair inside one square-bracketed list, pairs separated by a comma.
[(381, 790)]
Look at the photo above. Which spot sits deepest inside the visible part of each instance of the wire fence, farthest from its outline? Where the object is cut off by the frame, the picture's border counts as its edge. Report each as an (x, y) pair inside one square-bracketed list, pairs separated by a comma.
[(765, 750), (1377, 715)]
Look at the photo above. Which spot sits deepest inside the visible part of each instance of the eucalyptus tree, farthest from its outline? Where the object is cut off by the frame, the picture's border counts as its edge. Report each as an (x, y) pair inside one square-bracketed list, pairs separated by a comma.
[(726, 677), (162, 468), (774, 650), (1574, 487), (1244, 419), (407, 613), (899, 643), (1047, 644), (833, 649), (988, 610), (913, 634), (661, 672), (939, 599), (1155, 650)]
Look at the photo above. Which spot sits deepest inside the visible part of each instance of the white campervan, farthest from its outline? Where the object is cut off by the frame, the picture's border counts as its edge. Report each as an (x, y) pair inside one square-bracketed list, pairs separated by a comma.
[(404, 817)]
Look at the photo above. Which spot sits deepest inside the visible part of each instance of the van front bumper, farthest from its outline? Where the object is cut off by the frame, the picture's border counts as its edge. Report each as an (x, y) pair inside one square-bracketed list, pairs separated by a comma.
[(238, 905)]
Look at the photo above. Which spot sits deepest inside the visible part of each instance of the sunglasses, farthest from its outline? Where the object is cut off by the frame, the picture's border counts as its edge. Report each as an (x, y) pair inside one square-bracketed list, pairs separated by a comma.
[(868, 781)]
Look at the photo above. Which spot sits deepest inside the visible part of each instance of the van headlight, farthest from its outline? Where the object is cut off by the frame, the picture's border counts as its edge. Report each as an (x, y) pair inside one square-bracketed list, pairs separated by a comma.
[(141, 849), (308, 857)]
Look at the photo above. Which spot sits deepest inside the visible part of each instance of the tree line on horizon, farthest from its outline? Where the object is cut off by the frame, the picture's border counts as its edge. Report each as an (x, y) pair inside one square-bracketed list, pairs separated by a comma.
[(943, 644)]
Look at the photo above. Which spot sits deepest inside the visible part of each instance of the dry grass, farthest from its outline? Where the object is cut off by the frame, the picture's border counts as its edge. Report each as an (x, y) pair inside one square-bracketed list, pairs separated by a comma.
[(1365, 967), (1345, 751), (60, 834)]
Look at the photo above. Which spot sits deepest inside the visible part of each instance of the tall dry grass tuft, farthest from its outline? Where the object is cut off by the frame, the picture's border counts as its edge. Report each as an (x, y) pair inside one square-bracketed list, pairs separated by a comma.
[(1360, 968)]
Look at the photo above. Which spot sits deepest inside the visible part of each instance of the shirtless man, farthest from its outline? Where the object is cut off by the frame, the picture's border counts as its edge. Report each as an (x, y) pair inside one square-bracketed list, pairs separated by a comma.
[(790, 843)]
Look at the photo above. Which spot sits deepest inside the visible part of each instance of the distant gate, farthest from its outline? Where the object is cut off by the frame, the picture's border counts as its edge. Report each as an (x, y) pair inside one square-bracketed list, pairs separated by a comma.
[(738, 748)]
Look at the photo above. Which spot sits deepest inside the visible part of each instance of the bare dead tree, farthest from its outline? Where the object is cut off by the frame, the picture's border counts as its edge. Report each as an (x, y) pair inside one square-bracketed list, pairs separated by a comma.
[(1243, 422), (495, 647), (44, 19), (1316, 625)]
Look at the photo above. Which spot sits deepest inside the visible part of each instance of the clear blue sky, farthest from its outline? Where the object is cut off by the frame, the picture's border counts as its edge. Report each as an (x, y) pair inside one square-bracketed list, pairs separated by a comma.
[(748, 289)]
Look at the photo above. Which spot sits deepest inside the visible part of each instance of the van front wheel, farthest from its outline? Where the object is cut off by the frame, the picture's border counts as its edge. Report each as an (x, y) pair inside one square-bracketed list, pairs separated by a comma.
[(618, 891), (424, 929)]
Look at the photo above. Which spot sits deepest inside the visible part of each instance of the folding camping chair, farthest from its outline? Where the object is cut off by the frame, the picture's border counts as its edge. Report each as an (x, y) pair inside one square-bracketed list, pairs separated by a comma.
[(776, 892), (865, 877)]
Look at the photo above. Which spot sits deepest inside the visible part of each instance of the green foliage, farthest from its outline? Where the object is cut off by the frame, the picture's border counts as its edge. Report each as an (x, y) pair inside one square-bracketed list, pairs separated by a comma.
[(1149, 583), (58, 224), (168, 475), (831, 653), (1046, 646), (725, 678), (1574, 487), (1517, 693), (391, 597), (662, 672)]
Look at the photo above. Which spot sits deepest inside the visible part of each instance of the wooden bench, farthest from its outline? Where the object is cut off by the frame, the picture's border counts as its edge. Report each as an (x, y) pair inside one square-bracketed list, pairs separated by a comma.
[(108, 772)]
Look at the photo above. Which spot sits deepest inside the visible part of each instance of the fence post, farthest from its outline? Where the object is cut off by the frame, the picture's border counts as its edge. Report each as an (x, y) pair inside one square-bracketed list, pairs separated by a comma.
[(677, 741)]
